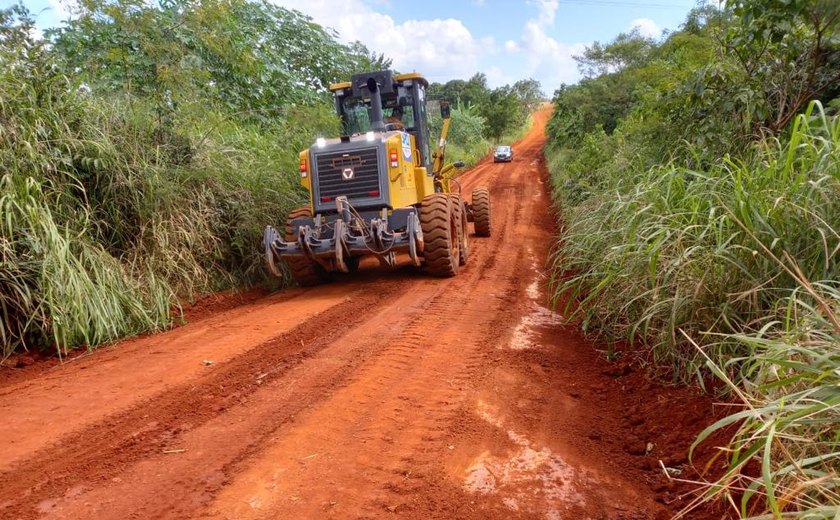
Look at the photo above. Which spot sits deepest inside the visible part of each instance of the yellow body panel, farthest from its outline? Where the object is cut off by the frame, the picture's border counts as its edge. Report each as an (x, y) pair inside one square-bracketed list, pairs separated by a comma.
[(304, 177), (339, 86), (425, 183), (411, 75), (401, 179), (399, 77)]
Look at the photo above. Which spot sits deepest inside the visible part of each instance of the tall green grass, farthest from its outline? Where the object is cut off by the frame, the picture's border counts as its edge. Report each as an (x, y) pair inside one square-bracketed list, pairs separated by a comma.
[(789, 425), (112, 212), (734, 271), (59, 287)]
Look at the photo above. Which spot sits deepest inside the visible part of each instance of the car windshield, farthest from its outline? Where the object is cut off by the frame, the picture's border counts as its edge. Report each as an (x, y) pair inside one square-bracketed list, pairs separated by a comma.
[(502, 149)]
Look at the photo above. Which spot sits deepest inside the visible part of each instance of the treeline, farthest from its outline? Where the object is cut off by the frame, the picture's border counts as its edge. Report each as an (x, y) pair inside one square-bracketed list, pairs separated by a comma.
[(504, 109), (697, 178)]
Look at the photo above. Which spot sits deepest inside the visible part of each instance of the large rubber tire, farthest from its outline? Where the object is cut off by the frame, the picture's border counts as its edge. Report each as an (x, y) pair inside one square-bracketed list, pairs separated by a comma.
[(440, 235), (463, 229), (305, 271), (481, 211)]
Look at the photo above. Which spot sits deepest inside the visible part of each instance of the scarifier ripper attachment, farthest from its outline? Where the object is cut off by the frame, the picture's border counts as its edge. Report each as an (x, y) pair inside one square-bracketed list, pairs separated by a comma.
[(332, 240)]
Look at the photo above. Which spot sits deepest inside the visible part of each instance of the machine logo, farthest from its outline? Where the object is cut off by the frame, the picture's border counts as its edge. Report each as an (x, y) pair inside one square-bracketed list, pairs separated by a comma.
[(347, 173), (406, 146)]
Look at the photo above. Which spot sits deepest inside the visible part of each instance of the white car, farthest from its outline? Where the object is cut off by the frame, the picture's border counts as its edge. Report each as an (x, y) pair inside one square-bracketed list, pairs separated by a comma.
[(503, 153)]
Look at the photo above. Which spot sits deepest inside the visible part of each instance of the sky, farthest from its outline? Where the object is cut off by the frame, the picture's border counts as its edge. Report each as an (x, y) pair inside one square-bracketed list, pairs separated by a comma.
[(507, 40)]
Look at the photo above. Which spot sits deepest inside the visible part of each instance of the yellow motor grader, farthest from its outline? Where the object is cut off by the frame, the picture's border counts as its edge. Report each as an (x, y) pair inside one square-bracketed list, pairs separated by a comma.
[(378, 189)]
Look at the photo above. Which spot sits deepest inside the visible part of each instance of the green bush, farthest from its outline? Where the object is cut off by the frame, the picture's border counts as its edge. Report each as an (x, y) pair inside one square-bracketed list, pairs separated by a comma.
[(466, 140)]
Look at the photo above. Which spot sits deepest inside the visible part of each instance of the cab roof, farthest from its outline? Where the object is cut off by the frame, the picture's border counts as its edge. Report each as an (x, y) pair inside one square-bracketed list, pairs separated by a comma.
[(399, 78)]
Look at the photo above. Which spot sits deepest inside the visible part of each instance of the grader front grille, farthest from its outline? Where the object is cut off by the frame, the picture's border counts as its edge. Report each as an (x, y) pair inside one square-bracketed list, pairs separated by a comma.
[(353, 174)]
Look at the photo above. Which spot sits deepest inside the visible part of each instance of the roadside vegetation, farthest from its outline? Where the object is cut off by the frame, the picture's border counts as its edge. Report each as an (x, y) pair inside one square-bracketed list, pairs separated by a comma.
[(142, 150), (483, 117), (145, 145), (697, 179)]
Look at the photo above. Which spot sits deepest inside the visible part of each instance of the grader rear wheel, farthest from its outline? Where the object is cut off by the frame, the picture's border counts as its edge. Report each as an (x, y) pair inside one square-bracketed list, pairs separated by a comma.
[(305, 271), (481, 211), (440, 234), (463, 229)]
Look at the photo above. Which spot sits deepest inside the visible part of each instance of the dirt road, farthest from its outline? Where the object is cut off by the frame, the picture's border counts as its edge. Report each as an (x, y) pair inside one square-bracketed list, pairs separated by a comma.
[(384, 394)]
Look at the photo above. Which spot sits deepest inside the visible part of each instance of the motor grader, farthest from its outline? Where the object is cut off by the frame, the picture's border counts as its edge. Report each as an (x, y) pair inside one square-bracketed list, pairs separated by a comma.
[(378, 189)]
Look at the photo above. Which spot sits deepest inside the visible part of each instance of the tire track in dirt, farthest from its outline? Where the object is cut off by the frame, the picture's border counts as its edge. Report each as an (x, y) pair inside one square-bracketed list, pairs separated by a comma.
[(402, 402), (141, 368), (144, 432), (94, 453)]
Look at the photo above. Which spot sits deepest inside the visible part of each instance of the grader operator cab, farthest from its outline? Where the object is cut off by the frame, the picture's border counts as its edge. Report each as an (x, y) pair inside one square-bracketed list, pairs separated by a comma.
[(378, 189)]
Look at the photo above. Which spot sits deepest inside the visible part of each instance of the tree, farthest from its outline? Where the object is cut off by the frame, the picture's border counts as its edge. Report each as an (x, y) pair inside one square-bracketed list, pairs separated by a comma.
[(529, 92), (627, 50), (362, 59), (243, 56), (700, 18), (502, 111), (475, 90), (788, 54), (454, 90)]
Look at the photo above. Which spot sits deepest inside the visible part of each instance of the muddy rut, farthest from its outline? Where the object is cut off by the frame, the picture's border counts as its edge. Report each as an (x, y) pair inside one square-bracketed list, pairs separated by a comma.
[(385, 394)]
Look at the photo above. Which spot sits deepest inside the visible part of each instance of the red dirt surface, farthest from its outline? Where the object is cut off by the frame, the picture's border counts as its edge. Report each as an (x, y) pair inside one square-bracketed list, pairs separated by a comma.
[(385, 394)]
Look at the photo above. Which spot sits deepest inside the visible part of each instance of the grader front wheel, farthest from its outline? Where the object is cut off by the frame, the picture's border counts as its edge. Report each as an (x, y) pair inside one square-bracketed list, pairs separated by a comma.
[(440, 227), (304, 270)]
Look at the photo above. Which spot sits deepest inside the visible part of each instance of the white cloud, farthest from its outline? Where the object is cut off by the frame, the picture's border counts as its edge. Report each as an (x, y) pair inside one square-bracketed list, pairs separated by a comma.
[(437, 47), (547, 11), (35, 33), (547, 59), (62, 9), (497, 76), (444, 48), (646, 27), (488, 45)]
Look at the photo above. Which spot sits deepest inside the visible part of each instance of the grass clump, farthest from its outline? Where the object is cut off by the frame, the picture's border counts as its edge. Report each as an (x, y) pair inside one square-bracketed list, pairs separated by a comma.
[(695, 249), (59, 287), (789, 427)]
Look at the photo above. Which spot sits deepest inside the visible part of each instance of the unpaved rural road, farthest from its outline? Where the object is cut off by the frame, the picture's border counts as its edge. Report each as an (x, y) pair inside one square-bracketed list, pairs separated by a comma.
[(386, 394)]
